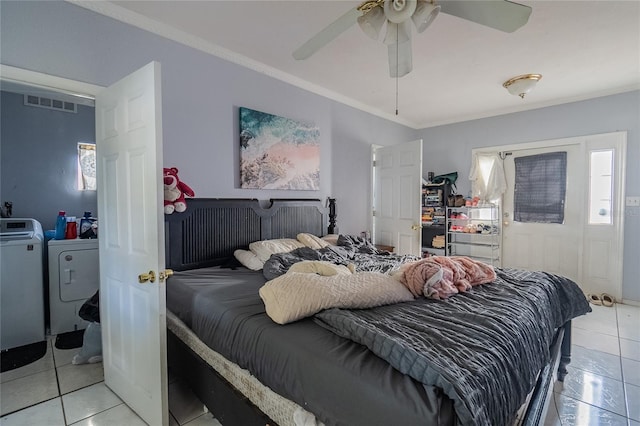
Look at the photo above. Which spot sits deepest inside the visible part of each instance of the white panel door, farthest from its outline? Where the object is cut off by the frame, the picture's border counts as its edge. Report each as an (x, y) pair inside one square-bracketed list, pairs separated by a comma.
[(551, 247), (397, 195), (587, 249), (131, 242)]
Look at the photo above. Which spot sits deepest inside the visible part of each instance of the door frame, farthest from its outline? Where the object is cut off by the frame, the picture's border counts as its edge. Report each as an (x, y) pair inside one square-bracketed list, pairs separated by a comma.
[(53, 83), (50, 82), (618, 190)]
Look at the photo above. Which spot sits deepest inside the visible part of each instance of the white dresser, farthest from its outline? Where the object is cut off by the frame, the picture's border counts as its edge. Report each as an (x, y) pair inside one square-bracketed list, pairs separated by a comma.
[(73, 278)]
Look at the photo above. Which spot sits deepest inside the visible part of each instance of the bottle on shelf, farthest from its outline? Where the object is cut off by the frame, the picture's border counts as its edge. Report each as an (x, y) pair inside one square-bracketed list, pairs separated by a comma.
[(61, 225), (86, 226), (72, 229)]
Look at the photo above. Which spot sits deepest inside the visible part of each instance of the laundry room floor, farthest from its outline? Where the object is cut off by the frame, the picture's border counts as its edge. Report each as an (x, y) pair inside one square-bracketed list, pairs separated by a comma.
[(53, 392)]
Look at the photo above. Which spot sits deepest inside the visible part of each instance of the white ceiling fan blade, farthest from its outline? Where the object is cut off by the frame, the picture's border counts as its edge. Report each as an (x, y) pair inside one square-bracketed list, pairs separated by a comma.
[(499, 14), (400, 59), (325, 36)]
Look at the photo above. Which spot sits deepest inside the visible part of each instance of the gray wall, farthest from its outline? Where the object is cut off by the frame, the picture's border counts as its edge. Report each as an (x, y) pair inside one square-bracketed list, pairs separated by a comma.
[(39, 159), (200, 99), (448, 148)]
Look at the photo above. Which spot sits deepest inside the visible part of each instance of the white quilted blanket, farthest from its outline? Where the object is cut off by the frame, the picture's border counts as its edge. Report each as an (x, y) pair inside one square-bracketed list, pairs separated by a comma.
[(296, 295)]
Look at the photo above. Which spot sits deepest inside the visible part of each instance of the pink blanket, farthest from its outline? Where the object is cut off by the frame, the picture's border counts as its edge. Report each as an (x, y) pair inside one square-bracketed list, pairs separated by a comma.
[(439, 277)]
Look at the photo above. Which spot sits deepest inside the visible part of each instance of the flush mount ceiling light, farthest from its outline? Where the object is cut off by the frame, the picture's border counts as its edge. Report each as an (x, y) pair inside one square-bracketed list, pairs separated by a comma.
[(522, 84)]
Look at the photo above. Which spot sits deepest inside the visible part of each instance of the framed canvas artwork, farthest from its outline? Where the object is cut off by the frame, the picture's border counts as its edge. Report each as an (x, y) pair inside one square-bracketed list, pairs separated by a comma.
[(277, 152)]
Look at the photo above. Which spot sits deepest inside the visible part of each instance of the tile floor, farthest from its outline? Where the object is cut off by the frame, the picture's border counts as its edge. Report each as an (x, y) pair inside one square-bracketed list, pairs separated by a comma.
[(54, 392), (603, 384), (602, 387)]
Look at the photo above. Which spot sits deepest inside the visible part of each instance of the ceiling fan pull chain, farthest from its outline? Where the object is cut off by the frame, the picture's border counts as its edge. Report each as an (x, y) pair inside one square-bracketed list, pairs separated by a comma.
[(397, 65)]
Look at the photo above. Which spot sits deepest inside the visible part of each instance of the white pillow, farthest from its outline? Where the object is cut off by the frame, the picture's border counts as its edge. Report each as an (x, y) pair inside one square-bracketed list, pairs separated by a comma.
[(311, 241), (320, 267), (264, 249), (248, 259), (331, 239)]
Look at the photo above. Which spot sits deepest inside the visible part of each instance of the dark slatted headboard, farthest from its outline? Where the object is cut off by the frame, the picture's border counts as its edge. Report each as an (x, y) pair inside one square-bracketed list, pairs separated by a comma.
[(212, 228)]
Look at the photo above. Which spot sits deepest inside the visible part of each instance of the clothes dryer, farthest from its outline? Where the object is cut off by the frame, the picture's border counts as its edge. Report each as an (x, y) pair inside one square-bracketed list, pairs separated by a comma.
[(73, 278)]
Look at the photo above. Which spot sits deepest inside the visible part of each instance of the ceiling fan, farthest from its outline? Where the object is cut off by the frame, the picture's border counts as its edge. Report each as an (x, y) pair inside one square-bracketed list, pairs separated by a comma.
[(371, 15)]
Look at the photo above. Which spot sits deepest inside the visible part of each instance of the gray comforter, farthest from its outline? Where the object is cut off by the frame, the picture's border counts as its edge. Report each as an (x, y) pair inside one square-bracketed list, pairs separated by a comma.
[(465, 345)]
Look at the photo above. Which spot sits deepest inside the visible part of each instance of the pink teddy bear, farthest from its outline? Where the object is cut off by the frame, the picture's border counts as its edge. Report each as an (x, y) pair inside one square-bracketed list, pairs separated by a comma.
[(175, 191)]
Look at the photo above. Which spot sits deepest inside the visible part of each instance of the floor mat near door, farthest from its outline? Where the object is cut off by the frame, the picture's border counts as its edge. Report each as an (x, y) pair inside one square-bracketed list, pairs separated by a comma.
[(22, 355), (70, 340)]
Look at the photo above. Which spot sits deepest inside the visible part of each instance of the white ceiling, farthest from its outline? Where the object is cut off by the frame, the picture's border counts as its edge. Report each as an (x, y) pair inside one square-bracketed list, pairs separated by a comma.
[(583, 49)]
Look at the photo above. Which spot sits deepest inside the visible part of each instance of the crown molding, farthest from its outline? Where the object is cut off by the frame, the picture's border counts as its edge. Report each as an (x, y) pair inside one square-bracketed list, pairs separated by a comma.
[(126, 16)]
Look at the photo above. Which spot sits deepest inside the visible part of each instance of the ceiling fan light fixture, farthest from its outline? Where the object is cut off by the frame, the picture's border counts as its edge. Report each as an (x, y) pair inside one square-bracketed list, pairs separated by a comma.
[(398, 11), (426, 12), (371, 22), (522, 84), (397, 33)]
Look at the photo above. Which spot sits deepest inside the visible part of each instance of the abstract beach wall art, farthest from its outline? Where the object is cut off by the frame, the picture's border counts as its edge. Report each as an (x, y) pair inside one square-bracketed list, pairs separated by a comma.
[(277, 152)]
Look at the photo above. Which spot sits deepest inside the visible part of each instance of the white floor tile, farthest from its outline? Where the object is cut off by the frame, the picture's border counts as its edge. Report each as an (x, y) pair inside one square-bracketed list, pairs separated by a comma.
[(601, 319), (631, 371), (598, 341), (118, 415), (26, 391), (572, 412), (43, 364), (63, 356), (629, 322), (599, 391), (630, 349), (74, 377), (596, 362), (48, 413), (89, 401), (633, 401)]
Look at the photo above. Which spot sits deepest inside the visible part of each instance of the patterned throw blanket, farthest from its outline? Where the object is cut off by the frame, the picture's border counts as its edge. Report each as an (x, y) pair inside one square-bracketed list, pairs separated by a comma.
[(483, 348), (364, 261)]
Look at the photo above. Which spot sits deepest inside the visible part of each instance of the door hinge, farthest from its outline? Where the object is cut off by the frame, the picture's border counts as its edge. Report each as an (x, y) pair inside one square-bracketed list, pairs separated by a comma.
[(373, 213), (374, 163)]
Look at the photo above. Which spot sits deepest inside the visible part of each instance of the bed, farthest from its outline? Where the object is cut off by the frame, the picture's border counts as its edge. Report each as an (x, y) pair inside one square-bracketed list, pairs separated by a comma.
[(249, 370)]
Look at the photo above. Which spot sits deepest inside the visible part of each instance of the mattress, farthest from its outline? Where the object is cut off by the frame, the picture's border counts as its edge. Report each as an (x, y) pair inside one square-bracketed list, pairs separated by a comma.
[(339, 381)]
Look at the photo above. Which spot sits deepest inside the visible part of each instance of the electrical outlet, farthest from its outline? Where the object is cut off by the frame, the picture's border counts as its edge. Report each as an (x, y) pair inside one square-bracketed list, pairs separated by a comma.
[(632, 202)]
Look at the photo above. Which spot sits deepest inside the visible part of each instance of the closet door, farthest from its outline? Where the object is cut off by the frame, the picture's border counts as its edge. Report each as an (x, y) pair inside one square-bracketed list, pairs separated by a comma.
[(397, 197)]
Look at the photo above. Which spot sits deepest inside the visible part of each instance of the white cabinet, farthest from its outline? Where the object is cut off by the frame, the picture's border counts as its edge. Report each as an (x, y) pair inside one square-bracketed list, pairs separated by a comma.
[(73, 278), (474, 232)]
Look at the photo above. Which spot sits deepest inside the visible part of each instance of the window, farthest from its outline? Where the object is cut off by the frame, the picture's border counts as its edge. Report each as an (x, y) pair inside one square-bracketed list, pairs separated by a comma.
[(86, 166), (600, 187), (540, 188)]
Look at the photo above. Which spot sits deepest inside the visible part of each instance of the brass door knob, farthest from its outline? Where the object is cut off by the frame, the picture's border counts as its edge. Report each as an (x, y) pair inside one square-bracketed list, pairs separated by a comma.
[(149, 277), (415, 227), (165, 274)]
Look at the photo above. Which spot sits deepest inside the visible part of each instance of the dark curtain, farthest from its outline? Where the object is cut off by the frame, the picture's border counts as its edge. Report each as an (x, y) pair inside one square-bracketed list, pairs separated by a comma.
[(540, 187)]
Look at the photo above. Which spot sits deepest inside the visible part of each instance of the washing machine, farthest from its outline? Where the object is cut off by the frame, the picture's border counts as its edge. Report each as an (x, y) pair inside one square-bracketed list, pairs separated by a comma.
[(74, 277), (21, 283)]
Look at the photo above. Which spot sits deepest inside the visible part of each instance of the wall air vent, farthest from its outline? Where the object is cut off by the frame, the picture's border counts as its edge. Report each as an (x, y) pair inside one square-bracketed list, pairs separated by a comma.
[(50, 103)]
